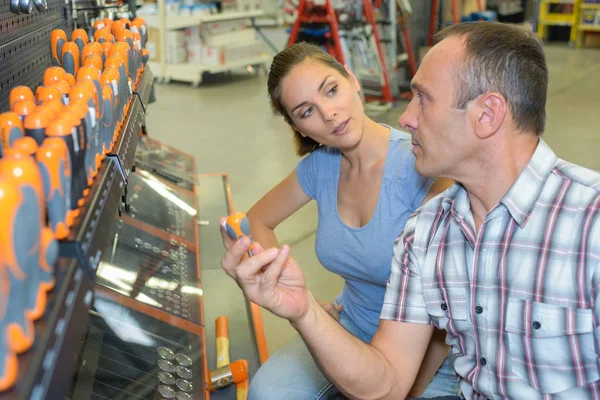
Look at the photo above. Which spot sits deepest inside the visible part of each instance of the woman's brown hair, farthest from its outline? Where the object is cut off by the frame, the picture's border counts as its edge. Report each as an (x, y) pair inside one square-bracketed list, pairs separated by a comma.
[(282, 64)]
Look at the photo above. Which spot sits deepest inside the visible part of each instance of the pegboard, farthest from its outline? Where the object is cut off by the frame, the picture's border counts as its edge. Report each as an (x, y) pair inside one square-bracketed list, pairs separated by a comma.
[(23, 61), (13, 26)]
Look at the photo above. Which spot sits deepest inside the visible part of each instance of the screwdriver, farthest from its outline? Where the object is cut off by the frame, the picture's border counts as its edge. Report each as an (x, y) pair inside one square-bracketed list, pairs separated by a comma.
[(92, 75), (102, 35), (16, 330), (82, 98), (24, 172), (64, 88), (70, 78), (35, 125), (11, 129), (108, 118), (91, 48), (47, 93), (80, 38), (24, 108), (58, 38), (237, 226), (82, 160), (106, 46), (53, 75), (62, 129), (137, 48), (25, 145), (98, 24), (70, 57), (110, 76), (56, 175), (140, 25), (20, 93), (94, 60)]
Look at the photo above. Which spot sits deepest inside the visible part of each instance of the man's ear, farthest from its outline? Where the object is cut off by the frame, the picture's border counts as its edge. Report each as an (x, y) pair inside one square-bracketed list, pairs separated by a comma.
[(352, 78), (491, 109)]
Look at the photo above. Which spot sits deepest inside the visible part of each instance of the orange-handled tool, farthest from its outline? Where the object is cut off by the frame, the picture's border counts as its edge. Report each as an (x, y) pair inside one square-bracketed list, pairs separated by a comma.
[(70, 57), (222, 330), (62, 130), (55, 171), (108, 126), (102, 35), (237, 226), (16, 330), (91, 48), (20, 93), (80, 38), (241, 388), (35, 125), (94, 60), (25, 145), (235, 372), (58, 38), (46, 93), (11, 129), (24, 108), (23, 170), (53, 75)]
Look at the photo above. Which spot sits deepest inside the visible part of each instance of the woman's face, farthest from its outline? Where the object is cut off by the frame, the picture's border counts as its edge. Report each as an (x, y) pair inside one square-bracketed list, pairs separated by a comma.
[(323, 104)]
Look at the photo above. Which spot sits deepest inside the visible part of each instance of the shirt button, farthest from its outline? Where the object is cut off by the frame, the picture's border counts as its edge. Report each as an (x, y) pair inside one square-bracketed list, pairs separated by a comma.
[(478, 309), (483, 361), (444, 306), (536, 325)]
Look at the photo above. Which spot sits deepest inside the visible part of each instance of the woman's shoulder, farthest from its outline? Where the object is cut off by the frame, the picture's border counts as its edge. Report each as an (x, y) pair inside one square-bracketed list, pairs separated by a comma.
[(400, 156)]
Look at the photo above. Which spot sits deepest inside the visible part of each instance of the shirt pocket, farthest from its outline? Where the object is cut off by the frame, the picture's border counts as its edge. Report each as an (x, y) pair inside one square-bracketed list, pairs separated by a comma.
[(446, 303), (551, 348)]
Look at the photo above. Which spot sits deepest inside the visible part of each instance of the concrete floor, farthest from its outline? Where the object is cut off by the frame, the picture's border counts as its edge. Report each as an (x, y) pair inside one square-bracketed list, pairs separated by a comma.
[(227, 125)]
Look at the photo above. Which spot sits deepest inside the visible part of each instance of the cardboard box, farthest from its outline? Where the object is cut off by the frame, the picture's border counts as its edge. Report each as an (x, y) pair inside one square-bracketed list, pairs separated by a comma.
[(153, 44), (592, 39), (230, 38)]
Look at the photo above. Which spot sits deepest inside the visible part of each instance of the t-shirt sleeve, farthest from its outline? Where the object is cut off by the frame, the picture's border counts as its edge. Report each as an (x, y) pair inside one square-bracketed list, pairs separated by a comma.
[(307, 173), (404, 300)]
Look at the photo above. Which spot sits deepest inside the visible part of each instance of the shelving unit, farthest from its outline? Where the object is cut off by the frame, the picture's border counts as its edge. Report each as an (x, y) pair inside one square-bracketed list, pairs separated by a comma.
[(189, 72), (574, 19)]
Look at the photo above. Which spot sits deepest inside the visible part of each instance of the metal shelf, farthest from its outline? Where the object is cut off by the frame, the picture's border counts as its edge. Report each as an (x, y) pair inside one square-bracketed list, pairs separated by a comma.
[(45, 370), (183, 21), (590, 6), (589, 28), (124, 150)]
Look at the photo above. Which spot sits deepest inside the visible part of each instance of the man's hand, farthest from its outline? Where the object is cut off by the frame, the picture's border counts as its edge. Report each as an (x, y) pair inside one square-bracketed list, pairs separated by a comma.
[(332, 309), (270, 278)]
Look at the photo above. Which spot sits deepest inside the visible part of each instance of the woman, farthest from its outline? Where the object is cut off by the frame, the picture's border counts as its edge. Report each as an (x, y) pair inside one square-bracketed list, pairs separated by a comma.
[(363, 178)]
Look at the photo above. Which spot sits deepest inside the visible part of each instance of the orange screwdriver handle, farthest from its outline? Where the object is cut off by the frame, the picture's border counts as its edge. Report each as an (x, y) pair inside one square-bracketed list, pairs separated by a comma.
[(237, 226), (56, 175), (11, 128), (58, 38), (70, 57), (20, 93), (80, 38)]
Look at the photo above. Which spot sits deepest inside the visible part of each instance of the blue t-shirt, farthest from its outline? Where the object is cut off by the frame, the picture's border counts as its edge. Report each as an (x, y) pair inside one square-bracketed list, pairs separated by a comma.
[(363, 256)]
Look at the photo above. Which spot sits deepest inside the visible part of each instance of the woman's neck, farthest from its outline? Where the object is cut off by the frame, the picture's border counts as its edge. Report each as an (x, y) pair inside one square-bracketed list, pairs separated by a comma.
[(372, 147)]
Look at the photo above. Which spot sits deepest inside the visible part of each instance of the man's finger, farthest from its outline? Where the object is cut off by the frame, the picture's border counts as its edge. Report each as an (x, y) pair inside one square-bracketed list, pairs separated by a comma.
[(272, 273), (227, 241), (339, 307), (233, 256), (251, 266)]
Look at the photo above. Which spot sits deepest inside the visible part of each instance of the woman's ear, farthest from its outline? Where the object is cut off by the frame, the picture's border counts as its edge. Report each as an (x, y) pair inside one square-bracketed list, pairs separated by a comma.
[(352, 78)]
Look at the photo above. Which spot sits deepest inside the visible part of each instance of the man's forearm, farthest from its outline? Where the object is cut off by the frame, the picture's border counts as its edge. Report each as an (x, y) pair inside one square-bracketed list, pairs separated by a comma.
[(357, 369)]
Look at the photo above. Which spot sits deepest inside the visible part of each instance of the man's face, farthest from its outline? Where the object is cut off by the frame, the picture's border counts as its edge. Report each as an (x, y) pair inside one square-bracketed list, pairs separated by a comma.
[(440, 133)]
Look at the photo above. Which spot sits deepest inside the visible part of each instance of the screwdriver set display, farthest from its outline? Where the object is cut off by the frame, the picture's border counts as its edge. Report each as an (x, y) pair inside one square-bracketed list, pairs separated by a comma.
[(66, 148)]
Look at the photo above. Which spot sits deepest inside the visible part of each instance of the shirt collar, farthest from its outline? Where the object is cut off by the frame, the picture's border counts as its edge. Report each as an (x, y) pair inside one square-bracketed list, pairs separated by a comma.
[(522, 195)]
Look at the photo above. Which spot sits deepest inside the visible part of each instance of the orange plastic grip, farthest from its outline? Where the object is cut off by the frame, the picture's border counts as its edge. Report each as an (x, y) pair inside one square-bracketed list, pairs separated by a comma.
[(20, 93), (54, 74)]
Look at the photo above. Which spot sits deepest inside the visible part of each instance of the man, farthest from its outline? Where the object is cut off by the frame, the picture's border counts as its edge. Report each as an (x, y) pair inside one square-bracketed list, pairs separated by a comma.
[(505, 260)]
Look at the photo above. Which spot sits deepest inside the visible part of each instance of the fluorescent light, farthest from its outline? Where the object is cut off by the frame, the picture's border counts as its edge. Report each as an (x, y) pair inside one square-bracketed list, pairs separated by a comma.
[(145, 299)]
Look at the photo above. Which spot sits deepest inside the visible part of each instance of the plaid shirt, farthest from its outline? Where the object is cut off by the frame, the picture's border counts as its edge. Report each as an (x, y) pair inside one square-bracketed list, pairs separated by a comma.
[(518, 299)]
